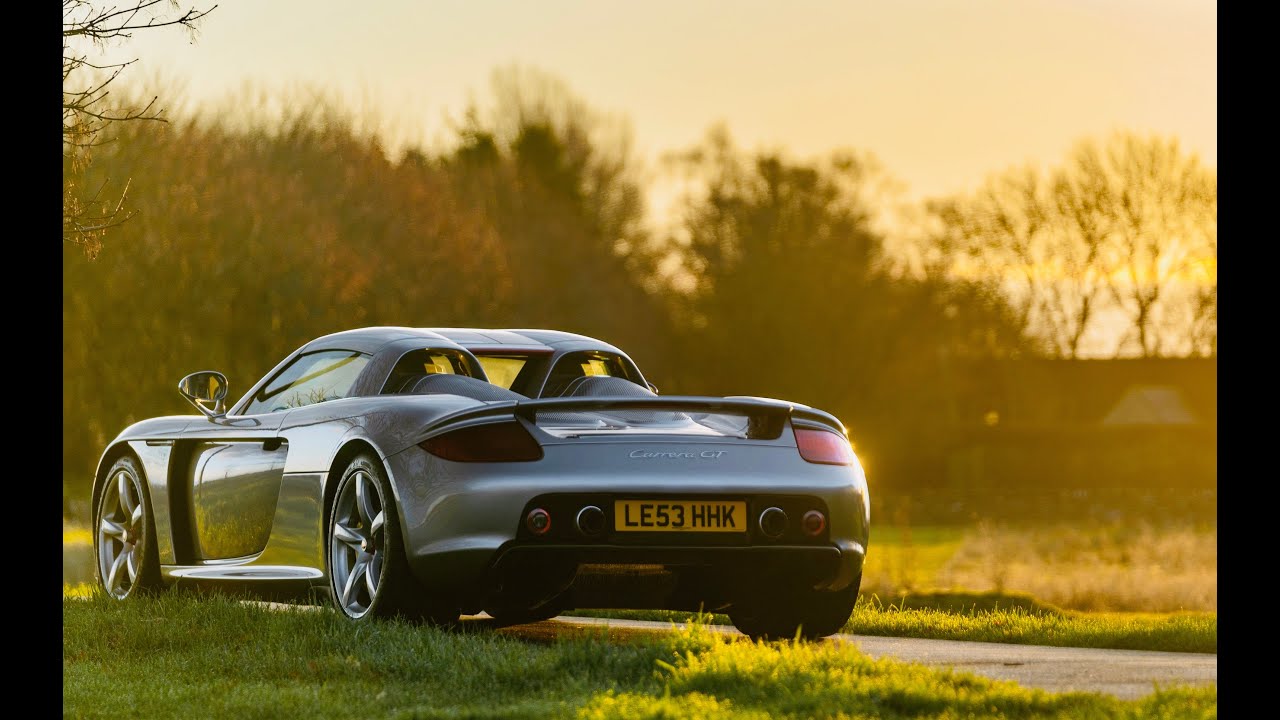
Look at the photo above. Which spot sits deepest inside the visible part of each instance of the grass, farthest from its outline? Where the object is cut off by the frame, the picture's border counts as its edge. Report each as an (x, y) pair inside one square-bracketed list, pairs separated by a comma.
[(1095, 566), (77, 554), (903, 558), (1020, 622), (1175, 632), (1138, 567), (177, 657), (74, 536)]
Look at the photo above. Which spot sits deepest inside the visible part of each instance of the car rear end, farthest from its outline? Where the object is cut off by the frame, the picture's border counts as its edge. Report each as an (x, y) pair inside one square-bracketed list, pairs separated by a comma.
[(675, 503)]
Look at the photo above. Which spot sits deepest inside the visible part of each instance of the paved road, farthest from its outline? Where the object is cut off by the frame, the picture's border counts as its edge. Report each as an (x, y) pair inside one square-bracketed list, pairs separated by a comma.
[(1123, 673)]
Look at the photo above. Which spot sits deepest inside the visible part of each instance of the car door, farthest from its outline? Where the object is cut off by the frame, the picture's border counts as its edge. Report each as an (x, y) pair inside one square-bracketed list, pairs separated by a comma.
[(235, 464)]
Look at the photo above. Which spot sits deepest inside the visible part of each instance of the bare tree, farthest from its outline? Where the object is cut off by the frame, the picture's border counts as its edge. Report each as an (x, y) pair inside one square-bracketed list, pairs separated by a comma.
[(1163, 206), (87, 213), (1126, 228), (1011, 233)]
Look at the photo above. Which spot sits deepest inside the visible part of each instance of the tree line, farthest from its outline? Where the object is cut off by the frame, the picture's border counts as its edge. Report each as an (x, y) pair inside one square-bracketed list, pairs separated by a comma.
[(252, 236)]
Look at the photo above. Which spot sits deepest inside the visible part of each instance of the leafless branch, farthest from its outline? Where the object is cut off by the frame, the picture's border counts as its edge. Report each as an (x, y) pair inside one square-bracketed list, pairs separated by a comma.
[(87, 112)]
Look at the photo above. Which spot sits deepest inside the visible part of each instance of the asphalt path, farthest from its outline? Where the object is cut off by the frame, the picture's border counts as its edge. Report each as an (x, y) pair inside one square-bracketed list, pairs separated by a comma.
[(1124, 673)]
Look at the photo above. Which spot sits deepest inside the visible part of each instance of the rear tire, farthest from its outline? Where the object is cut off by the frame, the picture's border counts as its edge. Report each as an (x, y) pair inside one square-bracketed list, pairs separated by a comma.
[(369, 574), (521, 616), (124, 538), (813, 614)]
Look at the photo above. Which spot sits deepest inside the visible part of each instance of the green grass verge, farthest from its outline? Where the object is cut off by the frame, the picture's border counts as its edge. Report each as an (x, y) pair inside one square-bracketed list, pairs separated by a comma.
[(179, 657), (910, 557), (991, 617)]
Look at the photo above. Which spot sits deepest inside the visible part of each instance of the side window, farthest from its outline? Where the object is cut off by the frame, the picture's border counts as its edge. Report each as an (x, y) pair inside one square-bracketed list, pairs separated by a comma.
[(311, 378)]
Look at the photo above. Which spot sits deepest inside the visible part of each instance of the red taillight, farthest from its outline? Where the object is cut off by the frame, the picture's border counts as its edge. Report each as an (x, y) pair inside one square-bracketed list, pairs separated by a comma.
[(538, 521), (822, 446), (496, 442), (813, 523)]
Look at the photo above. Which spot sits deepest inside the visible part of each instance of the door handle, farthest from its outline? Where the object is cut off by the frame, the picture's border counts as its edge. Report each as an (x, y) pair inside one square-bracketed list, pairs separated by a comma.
[(272, 445)]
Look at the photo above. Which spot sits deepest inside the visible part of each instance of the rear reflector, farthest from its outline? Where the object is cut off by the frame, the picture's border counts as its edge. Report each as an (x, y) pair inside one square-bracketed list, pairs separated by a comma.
[(495, 442), (813, 523), (538, 521), (822, 446)]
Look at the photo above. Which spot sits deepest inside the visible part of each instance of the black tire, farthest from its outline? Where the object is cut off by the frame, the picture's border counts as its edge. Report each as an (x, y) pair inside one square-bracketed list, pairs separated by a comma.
[(112, 549), (397, 590), (810, 613), (506, 615)]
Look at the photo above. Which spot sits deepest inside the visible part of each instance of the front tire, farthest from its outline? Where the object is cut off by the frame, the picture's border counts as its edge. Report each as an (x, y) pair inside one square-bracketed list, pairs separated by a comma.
[(125, 538), (812, 614), (369, 575)]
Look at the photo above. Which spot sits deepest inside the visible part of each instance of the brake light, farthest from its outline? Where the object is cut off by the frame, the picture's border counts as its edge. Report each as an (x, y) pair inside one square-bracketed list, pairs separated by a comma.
[(495, 442), (822, 446)]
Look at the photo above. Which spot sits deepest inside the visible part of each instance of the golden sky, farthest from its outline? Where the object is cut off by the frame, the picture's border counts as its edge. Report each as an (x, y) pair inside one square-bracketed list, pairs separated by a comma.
[(941, 92)]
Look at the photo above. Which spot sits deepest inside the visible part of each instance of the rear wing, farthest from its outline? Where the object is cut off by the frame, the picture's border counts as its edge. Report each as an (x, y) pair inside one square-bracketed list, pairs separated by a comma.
[(766, 418)]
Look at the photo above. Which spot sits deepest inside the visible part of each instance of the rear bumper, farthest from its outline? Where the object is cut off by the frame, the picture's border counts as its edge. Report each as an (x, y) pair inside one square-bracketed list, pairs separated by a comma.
[(526, 573)]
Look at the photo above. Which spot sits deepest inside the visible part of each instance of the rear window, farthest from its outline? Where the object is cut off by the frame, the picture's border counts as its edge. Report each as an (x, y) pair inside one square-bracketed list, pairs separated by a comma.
[(416, 364), (589, 363)]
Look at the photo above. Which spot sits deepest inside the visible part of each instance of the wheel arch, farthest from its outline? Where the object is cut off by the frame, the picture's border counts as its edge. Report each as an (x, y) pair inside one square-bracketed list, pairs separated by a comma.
[(350, 448)]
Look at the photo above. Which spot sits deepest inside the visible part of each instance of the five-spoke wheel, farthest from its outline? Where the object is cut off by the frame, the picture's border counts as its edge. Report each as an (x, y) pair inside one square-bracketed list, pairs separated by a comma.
[(368, 573), (358, 542), (124, 535)]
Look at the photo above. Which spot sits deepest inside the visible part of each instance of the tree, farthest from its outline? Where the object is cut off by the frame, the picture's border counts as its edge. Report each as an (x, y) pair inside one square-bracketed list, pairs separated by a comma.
[(559, 184), (793, 297), (1010, 230), (1124, 230), (1161, 206), (87, 213)]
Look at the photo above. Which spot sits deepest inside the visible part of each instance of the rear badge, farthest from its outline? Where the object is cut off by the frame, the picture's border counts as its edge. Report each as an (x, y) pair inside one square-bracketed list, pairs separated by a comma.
[(652, 455)]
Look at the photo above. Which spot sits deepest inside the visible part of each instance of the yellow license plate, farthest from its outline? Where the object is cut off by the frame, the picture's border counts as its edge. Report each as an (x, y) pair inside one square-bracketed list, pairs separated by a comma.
[(679, 516)]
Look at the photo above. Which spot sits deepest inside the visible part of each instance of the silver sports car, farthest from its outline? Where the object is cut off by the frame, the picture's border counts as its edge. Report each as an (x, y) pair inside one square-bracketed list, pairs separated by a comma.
[(438, 472)]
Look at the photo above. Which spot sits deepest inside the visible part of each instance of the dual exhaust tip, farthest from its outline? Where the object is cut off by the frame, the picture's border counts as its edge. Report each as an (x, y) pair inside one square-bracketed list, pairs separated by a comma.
[(773, 522)]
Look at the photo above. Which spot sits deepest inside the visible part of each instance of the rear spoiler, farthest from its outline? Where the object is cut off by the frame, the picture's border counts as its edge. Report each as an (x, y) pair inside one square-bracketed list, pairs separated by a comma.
[(767, 417)]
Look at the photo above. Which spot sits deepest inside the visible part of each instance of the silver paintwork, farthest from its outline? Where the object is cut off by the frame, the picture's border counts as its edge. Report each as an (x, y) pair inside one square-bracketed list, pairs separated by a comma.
[(241, 500)]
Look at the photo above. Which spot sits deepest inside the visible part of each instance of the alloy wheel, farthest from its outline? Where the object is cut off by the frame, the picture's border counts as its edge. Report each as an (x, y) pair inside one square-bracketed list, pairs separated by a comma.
[(357, 543), (121, 533)]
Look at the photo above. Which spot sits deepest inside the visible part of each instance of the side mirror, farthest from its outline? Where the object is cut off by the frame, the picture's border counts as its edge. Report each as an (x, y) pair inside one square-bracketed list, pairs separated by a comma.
[(652, 388), (206, 390)]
